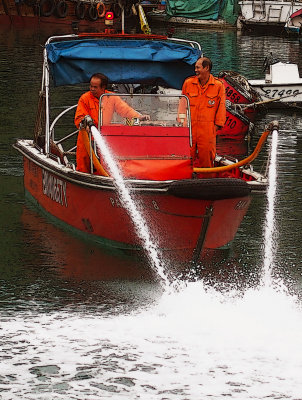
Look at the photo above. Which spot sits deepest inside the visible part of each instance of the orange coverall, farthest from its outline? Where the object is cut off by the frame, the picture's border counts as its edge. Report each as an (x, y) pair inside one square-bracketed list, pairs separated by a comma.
[(207, 107), (89, 105)]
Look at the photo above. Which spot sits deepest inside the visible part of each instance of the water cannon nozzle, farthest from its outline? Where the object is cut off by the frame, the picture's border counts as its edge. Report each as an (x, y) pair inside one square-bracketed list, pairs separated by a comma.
[(87, 122), (274, 125)]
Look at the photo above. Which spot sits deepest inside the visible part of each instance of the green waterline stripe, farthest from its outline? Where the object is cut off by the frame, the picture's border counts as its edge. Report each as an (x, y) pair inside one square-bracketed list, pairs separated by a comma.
[(77, 232)]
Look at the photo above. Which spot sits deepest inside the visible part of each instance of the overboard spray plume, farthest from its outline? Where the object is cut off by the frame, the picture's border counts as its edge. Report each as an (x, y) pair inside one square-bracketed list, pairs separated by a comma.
[(269, 230), (137, 218)]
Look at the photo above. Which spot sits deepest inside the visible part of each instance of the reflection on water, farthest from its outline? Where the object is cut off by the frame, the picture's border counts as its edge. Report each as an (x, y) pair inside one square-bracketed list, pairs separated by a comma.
[(79, 322)]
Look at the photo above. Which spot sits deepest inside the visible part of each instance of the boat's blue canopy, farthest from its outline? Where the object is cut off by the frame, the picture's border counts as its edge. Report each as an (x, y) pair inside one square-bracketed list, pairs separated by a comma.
[(122, 60)]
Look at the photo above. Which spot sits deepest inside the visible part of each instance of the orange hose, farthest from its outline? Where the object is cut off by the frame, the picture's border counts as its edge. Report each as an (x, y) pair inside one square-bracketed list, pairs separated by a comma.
[(246, 160), (98, 166)]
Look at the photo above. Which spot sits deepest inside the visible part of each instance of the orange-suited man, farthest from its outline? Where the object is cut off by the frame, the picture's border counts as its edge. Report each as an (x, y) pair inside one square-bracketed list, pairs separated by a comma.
[(208, 112), (89, 105)]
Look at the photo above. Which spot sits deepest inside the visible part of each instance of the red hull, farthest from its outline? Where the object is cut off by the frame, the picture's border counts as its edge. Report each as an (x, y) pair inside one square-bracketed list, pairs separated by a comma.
[(236, 126), (239, 93), (96, 212)]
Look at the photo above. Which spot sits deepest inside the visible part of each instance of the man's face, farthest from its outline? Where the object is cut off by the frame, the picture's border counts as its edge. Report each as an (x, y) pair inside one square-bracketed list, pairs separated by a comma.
[(200, 71), (95, 87)]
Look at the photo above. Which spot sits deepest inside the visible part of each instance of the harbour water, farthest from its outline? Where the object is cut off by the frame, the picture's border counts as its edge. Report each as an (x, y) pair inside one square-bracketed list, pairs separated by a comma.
[(81, 322)]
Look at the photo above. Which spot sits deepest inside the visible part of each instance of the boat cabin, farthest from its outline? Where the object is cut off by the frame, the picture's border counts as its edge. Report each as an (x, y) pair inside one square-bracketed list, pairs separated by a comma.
[(283, 73), (136, 69)]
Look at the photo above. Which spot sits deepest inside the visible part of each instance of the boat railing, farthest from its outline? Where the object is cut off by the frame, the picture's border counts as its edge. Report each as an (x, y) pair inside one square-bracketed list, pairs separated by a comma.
[(59, 137)]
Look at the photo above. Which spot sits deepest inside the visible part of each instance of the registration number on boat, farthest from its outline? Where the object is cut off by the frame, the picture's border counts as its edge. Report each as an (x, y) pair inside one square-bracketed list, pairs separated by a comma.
[(274, 93), (230, 122), (232, 95), (54, 188)]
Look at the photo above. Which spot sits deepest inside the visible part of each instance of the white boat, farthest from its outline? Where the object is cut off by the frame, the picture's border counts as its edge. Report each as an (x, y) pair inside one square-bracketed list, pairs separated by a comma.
[(282, 84), (267, 14)]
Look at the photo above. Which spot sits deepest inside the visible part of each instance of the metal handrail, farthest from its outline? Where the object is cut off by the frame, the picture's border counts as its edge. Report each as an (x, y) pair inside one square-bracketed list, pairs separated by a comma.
[(58, 117)]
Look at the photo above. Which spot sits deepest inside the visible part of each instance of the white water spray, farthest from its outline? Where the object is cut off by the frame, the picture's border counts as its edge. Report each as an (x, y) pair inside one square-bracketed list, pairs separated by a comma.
[(137, 218), (269, 232)]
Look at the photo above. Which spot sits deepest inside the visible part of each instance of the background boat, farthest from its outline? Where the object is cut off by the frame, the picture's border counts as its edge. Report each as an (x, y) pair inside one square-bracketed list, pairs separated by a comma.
[(73, 15), (282, 85), (268, 15), (197, 14), (294, 22)]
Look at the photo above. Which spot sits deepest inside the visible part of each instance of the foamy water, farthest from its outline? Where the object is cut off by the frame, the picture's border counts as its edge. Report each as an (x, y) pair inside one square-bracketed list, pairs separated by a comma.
[(194, 344)]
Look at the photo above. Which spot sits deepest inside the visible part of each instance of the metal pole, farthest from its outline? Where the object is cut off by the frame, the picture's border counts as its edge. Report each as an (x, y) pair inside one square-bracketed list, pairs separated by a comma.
[(46, 83), (123, 19)]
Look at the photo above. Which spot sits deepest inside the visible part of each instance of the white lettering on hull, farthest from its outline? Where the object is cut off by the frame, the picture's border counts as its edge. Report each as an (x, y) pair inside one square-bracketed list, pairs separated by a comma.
[(54, 188)]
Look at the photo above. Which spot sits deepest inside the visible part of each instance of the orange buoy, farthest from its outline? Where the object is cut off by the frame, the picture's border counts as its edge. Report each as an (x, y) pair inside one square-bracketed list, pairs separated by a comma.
[(101, 9)]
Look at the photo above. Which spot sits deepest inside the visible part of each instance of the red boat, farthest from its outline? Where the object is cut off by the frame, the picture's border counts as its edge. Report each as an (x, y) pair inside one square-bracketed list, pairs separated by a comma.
[(237, 125), (240, 117), (185, 209), (240, 93)]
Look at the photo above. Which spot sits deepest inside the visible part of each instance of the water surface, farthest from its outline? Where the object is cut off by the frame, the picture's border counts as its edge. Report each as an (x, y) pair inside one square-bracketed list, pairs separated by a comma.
[(81, 322)]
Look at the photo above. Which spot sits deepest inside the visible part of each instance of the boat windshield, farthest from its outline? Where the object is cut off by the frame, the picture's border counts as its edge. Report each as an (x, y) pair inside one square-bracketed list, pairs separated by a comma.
[(166, 110)]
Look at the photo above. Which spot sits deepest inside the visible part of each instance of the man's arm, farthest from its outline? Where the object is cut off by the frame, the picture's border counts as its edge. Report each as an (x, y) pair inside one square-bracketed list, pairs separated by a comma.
[(81, 111), (124, 110), (221, 110)]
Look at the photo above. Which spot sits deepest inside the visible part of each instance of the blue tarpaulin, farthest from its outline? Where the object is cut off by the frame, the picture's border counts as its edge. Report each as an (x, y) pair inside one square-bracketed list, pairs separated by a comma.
[(123, 61)]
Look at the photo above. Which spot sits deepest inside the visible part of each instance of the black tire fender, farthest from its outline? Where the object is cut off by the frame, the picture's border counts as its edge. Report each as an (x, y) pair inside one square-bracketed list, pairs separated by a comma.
[(210, 189), (80, 10), (128, 11), (47, 7), (116, 9), (61, 8), (93, 13)]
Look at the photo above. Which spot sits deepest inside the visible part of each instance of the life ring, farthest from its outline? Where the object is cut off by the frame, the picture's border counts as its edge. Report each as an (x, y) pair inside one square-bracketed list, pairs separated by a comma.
[(93, 13), (80, 10), (47, 7), (61, 9), (101, 9)]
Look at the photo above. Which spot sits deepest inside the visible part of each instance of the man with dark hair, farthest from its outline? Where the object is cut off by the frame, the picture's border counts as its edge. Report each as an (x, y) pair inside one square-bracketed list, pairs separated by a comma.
[(89, 105), (206, 95)]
